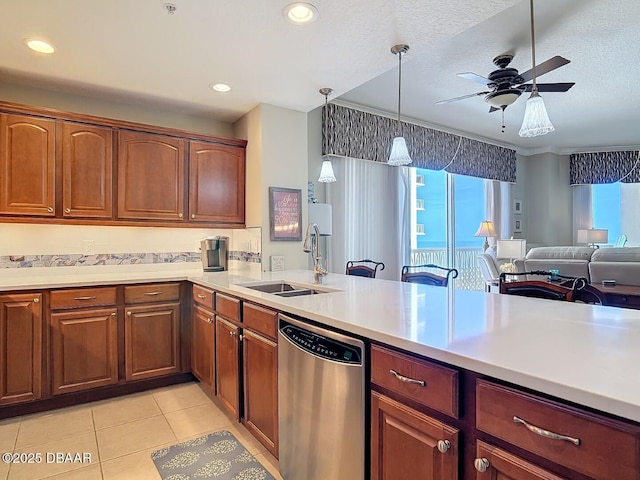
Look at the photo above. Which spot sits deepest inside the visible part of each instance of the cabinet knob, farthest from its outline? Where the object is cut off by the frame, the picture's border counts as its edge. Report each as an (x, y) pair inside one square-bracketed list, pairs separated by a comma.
[(209, 320), (113, 314), (36, 300), (444, 446), (481, 464), (180, 215), (67, 210), (232, 334), (193, 215), (49, 209), (129, 313)]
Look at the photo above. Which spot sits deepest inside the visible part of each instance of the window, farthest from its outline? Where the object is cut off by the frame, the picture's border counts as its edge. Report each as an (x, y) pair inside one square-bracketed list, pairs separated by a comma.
[(613, 209)]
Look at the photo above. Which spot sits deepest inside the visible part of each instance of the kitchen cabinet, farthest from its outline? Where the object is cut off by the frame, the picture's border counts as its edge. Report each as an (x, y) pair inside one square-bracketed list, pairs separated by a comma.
[(216, 183), (152, 330), (20, 347), (494, 463), (203, 337), (260, 374), (227, 340), (27, 165), (87, 171), (84, 339), (151, 176)]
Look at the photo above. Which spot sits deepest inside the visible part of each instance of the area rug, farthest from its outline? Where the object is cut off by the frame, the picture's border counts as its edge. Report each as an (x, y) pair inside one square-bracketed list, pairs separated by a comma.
[(217, 455)]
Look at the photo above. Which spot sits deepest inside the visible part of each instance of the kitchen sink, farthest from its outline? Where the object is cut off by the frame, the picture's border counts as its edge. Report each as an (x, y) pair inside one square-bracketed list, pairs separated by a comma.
[(286, 289), (278, 287), (298, 293)]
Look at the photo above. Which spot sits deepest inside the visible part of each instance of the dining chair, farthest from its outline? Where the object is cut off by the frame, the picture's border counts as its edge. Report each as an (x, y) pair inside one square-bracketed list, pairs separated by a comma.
[(361, 268), (427, 278), (568, 289)]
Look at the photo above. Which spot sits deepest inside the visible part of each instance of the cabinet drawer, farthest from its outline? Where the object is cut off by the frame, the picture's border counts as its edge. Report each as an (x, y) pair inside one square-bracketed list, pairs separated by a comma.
[(83, 297), (432, 385), (260, 320), (596, 446), (621, 300), (228, 307), (203, 296), (157, 292)]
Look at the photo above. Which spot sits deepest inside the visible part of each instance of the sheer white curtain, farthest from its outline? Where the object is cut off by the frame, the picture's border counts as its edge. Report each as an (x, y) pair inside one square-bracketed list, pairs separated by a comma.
[(498, 209), (582, 209), (369, 217)]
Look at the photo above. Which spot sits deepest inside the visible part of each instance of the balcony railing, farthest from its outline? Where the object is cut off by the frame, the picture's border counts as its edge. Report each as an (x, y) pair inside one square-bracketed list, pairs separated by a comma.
[(466, 262)]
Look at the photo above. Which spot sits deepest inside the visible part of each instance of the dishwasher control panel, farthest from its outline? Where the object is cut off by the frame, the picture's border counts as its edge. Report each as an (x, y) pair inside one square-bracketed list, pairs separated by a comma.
[(321, 346)]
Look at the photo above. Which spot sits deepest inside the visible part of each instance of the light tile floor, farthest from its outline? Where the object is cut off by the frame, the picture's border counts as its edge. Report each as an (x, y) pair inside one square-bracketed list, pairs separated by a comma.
[(119, 434)]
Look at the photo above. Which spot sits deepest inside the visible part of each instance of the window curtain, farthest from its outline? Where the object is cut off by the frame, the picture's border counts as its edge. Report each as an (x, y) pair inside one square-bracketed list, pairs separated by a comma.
[(582, 209), (497, 207), (368, 221), (604, 167)]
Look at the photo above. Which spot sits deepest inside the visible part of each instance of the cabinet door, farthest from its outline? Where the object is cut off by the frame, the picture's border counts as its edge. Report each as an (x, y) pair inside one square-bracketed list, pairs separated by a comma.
[(202, 346), (227, 366), (408, 445), (495, 463), (27, 163), (216, 183), (20, 347), (84, 349), (150, 176), (260, 367), (152, 340), (87, 165)]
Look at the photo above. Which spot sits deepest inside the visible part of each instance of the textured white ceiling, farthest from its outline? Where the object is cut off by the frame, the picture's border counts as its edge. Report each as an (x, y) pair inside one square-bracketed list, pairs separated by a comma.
[(134, 51)]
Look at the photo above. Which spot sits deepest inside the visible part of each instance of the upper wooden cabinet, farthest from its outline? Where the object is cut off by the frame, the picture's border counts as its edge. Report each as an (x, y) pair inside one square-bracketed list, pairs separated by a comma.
[(87, 165), (151, 176), (27, 165), (216, 183)]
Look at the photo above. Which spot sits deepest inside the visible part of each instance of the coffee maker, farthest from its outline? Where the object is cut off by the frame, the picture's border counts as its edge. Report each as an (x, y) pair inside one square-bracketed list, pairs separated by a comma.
[(215, 254)]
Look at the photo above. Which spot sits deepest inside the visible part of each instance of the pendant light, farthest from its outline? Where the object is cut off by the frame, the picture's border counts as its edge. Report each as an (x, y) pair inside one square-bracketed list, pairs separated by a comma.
[(326, 172), (536, 121), (399, 154)]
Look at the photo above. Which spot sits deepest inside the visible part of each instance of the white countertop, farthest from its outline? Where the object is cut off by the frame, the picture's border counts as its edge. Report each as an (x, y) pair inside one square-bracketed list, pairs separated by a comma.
[(582, 353)]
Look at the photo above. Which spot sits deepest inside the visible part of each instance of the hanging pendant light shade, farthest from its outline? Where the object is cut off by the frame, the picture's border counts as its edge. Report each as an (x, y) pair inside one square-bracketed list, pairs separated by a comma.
[(536, 121), (399, 155), (326, 172)]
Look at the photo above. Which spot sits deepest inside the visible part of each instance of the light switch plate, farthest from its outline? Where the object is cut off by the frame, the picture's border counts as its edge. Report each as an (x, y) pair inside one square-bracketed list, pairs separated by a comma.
[(277, 263)]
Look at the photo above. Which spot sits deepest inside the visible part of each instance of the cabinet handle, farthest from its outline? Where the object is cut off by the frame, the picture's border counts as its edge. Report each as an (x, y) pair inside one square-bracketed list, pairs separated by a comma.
[(36, 300), (209, 320), (402, 378), (444, 446), (233, 334), (49, 209), (179, 215), (193, 215), (67, 210), (84, 298), (546, 433), (129, 313), (202, 295), (481, 464), (152, 294)]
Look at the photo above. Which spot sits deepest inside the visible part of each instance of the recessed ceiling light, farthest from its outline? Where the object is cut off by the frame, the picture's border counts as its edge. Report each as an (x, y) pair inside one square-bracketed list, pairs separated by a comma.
[(220, 87), (300, 13), (39, 45)]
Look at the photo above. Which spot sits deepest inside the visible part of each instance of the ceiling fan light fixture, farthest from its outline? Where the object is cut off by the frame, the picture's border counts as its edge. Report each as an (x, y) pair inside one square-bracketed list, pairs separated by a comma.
[(503, 98), (536, 121), (399, 155)]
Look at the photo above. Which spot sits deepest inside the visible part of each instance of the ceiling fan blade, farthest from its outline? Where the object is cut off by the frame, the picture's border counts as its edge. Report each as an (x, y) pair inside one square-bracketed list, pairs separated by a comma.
[(461, 98), (545, 67), (549, 87), (474, 77)]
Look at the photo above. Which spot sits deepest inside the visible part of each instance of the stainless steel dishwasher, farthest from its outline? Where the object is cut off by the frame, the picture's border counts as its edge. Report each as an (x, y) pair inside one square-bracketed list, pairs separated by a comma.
[(321, 397)]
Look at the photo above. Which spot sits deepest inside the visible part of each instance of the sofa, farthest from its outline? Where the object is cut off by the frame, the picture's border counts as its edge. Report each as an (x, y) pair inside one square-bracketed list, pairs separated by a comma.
[(596, 264)]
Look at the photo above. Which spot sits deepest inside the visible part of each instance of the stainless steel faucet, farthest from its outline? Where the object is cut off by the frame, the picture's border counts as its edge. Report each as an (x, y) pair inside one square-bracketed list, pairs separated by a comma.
[(313, 246)]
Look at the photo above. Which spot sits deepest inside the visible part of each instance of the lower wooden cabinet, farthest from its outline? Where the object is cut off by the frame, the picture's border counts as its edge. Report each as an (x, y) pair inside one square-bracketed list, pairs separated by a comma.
[(84, 349), (409, 445), (227, 343), (20, 347), (494, 463), (202, 346), (260, 372), (152, 340)]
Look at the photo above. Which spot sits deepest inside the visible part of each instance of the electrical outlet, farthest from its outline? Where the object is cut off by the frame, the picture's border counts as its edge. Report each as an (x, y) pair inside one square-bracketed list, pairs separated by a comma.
[(87, 246)]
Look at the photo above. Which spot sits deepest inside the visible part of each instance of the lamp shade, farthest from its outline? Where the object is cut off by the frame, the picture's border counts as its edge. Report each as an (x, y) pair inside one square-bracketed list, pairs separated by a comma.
[(536, 121), (320, 214), (326, 173), (593, 235), (486, 229), (513, 248), (399, 154)]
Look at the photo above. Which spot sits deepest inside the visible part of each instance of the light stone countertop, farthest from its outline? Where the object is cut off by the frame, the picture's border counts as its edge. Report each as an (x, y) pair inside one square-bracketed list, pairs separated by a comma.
[(582, 353)]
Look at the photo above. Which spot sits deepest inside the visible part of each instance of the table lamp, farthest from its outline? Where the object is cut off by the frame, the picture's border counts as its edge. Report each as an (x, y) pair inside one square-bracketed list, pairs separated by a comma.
[(485, 230), (591, 236), (511, 249)]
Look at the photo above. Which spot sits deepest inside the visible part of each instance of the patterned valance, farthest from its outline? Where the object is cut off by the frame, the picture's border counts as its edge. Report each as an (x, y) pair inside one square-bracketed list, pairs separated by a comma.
[(356, 134), (604, 167)]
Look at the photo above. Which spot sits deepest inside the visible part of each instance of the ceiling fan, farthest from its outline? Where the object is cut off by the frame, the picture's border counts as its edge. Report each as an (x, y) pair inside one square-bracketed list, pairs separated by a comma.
[(506, 84)]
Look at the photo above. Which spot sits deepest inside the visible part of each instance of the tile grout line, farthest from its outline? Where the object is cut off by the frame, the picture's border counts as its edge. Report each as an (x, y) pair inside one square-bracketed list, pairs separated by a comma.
[(95, 435)]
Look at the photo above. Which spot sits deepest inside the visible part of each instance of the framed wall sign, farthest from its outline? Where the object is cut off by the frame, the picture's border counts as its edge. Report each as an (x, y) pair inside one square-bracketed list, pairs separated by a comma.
[(517, 206), (285, 214)]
